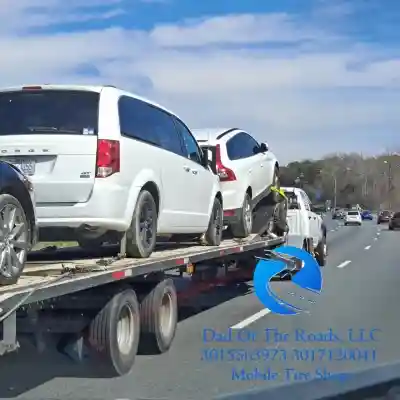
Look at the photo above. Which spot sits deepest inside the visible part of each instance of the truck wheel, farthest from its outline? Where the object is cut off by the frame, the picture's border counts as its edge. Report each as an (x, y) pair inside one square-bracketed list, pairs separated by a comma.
[(142, 234), (243, 227), (213, 236), (321, 252), (159, 318), (114, 333), (16, 237)]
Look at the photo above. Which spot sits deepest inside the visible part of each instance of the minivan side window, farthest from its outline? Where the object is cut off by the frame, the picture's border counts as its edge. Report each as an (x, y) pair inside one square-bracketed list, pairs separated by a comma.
[(241, 146), (148, 123), (134, 116), (193, 151)]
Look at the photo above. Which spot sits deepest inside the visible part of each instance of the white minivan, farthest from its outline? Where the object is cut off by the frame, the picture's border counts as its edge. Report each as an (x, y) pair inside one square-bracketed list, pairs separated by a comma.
[(104, 160)]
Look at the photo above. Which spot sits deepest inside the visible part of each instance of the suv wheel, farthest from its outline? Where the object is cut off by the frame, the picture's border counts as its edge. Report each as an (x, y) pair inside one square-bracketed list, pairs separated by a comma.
[(142, 234), (213, 236), (274, 196), (243, 227)]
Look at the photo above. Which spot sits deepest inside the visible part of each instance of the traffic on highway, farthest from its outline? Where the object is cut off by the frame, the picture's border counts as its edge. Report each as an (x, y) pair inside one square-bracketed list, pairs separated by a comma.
[(147, 253)]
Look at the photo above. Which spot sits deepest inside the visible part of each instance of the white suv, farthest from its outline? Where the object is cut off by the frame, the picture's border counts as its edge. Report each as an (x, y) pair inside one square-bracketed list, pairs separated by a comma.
[(247, 170), (103, 160), (353, 217)]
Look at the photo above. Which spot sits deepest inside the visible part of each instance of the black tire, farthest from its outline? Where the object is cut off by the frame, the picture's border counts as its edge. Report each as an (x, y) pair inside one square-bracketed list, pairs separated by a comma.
[(15, 270), (391, 228), (104, 331), (378, 222), (213, 236), (158, 318), (244, 225), (321, 252), (136, 247), (275, 197), (280, 226)]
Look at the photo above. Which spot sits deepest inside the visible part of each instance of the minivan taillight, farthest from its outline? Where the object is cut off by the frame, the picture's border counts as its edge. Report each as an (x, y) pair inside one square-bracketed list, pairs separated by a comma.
[(225, 174), (108, 158)]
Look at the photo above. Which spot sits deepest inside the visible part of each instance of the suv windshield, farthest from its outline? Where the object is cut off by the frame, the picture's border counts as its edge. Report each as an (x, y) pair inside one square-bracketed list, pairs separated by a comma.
[(48, 112)]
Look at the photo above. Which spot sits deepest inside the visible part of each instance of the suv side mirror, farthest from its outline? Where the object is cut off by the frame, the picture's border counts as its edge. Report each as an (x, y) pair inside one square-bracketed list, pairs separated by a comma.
[(263, 147)]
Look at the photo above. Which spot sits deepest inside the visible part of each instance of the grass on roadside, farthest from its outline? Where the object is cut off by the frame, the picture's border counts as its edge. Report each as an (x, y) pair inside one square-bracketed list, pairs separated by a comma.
[(43, 245)]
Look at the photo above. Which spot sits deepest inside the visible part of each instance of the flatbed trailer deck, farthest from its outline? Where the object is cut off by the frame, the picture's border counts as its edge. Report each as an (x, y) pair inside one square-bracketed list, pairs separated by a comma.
[(103, 287)]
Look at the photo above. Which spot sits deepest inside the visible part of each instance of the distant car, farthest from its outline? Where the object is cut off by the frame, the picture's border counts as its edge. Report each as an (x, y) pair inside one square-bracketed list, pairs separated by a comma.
[(353, 218), (383, 216), (17, 215), (336, 213), (394, 221), (247, 170), (366, 215)]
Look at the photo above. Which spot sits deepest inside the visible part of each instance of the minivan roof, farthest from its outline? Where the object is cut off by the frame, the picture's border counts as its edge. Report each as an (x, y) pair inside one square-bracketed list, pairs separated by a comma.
[(89, 88)]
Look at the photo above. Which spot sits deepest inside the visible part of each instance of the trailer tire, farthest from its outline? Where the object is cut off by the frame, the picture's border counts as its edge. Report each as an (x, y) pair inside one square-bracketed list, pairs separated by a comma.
[(159, 318), (135, 246), (114, 333), (213, 236)]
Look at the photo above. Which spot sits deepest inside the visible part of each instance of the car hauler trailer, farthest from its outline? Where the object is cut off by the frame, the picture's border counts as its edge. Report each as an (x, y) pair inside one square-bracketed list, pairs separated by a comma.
[(112, 306)]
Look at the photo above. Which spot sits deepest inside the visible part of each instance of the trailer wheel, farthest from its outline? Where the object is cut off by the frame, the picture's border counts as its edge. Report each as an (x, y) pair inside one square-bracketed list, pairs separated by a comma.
[(114, 333), (159, 318), (141, 235)]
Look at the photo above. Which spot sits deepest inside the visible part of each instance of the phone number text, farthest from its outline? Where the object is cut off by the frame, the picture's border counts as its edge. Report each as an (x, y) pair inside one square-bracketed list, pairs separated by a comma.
[(309, 354)]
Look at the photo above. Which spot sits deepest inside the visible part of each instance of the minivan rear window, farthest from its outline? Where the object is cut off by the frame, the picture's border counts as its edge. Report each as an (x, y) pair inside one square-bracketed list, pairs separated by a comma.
[(49, 112)]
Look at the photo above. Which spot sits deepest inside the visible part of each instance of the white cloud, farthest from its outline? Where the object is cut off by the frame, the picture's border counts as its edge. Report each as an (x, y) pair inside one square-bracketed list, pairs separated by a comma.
[(317, 94)]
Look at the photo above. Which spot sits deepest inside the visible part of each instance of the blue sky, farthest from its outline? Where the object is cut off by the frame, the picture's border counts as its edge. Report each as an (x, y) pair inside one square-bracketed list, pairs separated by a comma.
[(310, 77)]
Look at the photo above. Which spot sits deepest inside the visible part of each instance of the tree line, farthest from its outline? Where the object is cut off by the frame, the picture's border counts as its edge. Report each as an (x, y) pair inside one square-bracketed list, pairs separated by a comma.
[(373, 182)]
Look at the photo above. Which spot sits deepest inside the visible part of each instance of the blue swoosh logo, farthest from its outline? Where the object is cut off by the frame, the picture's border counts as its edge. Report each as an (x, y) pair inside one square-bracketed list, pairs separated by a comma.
[(309, 278)]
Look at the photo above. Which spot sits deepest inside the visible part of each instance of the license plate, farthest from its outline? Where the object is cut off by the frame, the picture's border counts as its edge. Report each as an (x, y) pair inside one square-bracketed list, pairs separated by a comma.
[(25, 165)]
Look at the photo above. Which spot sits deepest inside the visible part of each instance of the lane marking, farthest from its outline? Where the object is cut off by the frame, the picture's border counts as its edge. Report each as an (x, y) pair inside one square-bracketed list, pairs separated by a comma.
[(376, 238), (332, 230), (378, 234), (344, 264), (251, 319), (367, 247)]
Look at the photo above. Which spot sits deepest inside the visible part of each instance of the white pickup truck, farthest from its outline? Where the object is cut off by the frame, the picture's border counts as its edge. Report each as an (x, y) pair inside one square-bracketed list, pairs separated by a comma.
[(306, 227)]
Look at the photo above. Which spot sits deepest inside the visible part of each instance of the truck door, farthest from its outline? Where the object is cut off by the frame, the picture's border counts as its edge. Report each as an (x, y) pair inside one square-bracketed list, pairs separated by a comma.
[(313, 218)]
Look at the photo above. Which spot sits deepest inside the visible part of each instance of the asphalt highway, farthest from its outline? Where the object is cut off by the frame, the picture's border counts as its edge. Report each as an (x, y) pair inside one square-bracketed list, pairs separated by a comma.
[(360, 292)]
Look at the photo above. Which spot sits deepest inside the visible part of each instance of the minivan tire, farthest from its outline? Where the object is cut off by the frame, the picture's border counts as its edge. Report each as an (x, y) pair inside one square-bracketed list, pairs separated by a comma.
[(145, 213), (241, 228), (213, 236)]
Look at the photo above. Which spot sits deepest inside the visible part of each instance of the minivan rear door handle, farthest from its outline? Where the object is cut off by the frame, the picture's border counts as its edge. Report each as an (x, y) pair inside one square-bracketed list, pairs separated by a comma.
[(194, 171)]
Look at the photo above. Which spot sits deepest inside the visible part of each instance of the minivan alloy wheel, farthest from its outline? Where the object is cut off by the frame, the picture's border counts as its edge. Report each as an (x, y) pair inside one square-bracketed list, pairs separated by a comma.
[(14, 237), (147, 215)]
